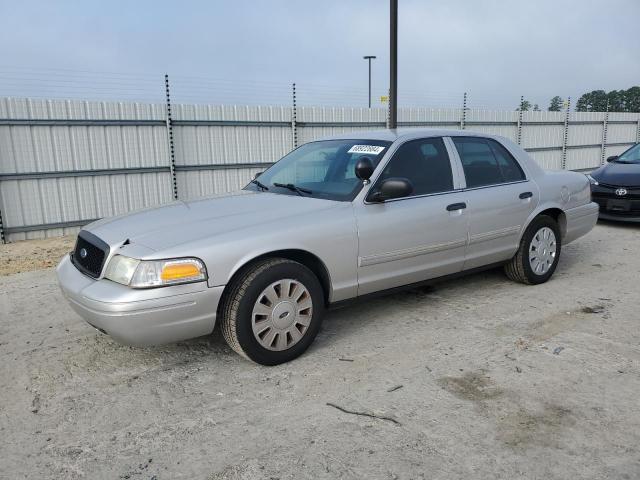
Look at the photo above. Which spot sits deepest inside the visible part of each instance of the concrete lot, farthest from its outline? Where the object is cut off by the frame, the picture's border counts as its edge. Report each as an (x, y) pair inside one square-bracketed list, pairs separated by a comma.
[(499, 380)]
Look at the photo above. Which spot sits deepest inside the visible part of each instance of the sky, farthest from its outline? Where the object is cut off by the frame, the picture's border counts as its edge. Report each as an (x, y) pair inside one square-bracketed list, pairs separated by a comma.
[(251, 51)]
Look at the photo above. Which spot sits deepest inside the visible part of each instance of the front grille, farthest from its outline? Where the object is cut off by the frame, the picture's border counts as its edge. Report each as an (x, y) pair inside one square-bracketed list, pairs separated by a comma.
[(627, 205), (90, 254)]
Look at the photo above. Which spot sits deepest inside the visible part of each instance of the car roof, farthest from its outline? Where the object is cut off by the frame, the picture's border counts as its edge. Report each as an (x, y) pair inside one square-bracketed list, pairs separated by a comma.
[(406, 134)]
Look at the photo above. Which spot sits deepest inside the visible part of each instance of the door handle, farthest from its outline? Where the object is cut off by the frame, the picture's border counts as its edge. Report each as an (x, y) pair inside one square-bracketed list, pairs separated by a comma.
[(456, 206), (524, 195)]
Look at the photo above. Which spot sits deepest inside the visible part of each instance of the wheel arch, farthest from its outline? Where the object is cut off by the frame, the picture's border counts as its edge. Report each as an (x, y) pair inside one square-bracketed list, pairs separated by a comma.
[(306, 258), (554, 212)]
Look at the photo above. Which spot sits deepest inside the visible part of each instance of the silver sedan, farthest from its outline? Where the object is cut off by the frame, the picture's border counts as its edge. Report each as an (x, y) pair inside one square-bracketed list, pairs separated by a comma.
[(334, 220)]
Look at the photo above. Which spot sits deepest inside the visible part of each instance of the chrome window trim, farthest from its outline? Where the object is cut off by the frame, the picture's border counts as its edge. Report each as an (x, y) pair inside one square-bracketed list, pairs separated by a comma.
[(494, 185), (448, 192)]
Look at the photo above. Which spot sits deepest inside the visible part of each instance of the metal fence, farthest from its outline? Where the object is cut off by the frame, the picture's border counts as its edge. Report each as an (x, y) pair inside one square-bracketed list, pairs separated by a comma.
[(64, 163)]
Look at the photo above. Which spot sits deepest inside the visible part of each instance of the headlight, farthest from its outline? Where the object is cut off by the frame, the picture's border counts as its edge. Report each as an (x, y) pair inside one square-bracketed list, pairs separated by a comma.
[(592, 180), (155, 273)]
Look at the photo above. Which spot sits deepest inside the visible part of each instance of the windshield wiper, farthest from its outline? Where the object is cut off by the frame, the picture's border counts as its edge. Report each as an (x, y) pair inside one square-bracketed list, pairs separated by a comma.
[(259, 184), (293, 188)]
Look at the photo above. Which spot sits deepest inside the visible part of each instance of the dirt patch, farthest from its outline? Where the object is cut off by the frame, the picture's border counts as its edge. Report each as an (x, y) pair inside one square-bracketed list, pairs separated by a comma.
[(473, 386), (594, 309), (524, 427), (31, 255)]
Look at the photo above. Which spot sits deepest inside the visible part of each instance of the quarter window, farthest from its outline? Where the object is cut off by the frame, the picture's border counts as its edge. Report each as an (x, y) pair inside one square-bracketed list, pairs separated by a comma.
[(425, 163), (486, 162)]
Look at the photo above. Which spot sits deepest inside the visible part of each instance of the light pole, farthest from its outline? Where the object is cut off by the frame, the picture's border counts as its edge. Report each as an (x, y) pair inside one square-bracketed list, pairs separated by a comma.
[(369, 57), (393, 70)]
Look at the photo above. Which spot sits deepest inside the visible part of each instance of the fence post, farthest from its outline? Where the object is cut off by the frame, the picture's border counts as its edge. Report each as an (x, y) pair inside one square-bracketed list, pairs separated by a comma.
[(604, 136), (2, 238), (638, 132), (463, 114), (520, 113), (565, 137), (294, 119), (388, 109), (172, 155)]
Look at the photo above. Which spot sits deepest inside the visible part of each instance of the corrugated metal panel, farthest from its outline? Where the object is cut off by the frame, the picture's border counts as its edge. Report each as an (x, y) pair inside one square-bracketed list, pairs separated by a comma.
[(42, 201), (502, 123), (52, 148), (543, 129), (549, 159), (209, 182), (585, 134), (619, 133), (616, 150), (205, 145), (579, 158)]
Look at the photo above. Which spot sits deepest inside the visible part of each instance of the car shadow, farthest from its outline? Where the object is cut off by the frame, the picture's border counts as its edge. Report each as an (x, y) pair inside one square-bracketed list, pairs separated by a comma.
[(619, 224), (350, 320)]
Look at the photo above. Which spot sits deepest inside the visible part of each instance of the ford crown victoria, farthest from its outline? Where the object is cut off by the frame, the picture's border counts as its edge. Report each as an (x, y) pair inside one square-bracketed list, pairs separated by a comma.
[(334, 220)]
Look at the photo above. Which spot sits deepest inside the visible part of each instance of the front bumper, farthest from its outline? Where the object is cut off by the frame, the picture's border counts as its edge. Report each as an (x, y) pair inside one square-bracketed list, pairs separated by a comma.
[(619, 208), (619, 218), (140, 316)]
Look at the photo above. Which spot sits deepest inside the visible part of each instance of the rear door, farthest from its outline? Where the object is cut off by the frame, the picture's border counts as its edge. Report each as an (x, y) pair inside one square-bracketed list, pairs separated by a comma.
[(499, 199), (422, 236)]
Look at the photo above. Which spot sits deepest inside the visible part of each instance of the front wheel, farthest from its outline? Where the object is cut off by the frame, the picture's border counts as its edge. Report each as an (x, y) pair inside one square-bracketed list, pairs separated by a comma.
[(538, 253), (273, 311)]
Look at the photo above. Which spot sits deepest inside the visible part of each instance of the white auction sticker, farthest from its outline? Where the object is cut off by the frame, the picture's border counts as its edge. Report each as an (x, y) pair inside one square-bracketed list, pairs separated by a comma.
[(373, 149)]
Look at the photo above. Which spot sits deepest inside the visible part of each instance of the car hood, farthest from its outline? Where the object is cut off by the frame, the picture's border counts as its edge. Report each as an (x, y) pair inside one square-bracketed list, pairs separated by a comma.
[(618, 174), (181, 222)]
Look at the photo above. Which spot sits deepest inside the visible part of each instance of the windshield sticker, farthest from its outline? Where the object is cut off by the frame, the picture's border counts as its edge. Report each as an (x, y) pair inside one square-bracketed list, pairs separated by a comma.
[(372, 149)]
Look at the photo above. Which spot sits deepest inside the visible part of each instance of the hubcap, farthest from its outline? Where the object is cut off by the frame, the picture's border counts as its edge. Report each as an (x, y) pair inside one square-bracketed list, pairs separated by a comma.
[(282, 314), (542, 251)]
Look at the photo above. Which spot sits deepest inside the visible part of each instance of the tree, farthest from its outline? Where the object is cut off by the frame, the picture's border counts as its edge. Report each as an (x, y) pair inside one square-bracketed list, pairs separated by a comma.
[(595, 101), (556, 104), (632, 99), (536, 108), (525, 106), (616, 100)]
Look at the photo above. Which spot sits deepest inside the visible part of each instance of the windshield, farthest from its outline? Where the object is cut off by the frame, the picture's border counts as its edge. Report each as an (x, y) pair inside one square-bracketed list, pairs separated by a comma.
[(630, 156), (324, 169)]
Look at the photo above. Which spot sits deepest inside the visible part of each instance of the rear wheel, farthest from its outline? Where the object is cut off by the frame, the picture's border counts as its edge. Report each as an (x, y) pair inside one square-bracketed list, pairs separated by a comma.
[(273, 311), (538, 253)]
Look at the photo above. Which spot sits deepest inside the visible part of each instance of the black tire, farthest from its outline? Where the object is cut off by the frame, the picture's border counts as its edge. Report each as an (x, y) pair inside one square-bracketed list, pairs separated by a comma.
[(519, 268), (237, 307)]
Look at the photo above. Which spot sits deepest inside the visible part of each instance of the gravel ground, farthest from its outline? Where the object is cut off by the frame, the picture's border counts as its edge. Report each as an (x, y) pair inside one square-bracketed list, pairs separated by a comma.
[(33, 254), (473, 378)]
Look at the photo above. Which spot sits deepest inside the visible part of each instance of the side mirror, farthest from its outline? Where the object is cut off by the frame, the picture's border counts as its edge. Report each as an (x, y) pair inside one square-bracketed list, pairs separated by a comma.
[(612, 158), (392, 188), (364, 168)]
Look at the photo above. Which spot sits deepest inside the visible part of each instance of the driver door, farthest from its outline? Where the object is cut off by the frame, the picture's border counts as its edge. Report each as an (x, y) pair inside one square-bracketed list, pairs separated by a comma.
[(418, 237)]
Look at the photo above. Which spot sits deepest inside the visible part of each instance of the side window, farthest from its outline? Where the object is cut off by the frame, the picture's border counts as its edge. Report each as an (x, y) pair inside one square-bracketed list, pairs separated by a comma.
[(486, 162), (425, 163), (511, 170)]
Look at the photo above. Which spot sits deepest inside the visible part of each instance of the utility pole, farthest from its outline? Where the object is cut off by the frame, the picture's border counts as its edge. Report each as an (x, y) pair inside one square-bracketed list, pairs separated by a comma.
[(369, 57), (393, 74)]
